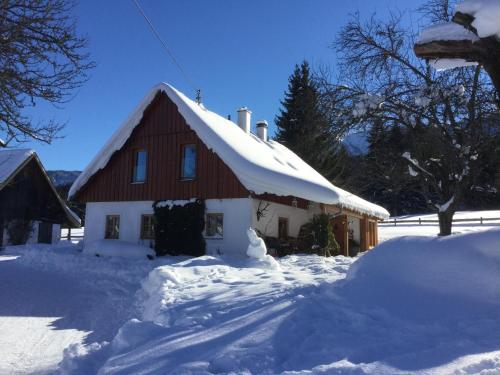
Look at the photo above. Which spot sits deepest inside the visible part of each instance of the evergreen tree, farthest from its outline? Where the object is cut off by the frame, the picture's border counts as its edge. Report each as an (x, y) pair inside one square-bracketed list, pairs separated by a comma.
[(303, 127), (386, 176)]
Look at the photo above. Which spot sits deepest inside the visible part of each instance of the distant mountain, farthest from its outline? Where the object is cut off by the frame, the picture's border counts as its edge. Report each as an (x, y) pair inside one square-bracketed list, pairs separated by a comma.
[(356, 142), (62, 178)]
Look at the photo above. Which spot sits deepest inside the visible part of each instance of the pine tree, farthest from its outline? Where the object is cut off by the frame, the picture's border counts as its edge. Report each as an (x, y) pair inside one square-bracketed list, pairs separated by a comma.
[(303, 127)]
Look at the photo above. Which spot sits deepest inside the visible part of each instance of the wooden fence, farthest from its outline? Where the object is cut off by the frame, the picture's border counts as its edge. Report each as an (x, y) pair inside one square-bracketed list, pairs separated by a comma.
[(419, 221), (71, 236)]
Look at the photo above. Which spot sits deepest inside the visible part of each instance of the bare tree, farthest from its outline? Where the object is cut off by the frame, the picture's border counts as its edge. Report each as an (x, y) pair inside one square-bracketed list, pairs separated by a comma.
[(448, 118), (41, 59)]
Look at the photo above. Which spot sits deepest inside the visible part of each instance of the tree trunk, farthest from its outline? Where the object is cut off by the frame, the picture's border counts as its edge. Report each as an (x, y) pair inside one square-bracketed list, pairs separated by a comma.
[(445, 222)]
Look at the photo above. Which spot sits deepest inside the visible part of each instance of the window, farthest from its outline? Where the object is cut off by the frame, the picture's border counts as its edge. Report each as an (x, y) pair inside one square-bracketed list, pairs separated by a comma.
[(140, 166), (112, 227), (214, 225), (282, 228), (147, 227), (188, 168)]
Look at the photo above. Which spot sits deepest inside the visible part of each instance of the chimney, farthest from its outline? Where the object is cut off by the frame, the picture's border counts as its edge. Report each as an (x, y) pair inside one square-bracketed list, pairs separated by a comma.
[(261, 126), (244, 119)]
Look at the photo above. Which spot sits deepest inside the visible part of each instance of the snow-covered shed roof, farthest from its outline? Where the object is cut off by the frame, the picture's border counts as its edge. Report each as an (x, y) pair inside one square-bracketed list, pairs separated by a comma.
[(13, 160), (10, 161), (262, 167)]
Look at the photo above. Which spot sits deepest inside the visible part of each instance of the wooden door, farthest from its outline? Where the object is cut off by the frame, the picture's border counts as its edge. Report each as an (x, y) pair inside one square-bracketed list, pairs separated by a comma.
[(45, 233), (339, 226)]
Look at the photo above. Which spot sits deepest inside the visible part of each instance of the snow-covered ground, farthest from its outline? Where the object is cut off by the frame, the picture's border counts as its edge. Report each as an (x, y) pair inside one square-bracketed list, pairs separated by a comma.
[(388, 231), (424, 305), (52, 297)]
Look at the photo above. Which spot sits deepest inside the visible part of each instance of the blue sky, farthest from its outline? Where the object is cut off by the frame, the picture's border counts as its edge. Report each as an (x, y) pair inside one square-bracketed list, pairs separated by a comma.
[(240, 53)]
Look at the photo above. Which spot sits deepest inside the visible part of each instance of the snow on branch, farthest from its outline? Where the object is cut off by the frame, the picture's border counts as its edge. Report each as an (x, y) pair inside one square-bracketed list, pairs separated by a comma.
[(367, 102), (446, 206), (415, 164)]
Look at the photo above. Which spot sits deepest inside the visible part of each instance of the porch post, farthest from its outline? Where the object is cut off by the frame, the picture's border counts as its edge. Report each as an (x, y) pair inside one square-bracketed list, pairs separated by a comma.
[(364, 233)]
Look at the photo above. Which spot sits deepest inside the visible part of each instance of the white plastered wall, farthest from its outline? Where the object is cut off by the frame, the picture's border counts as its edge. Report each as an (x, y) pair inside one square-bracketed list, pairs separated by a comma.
[(130, 220), (237, 219), (33, 238), (267, 225)]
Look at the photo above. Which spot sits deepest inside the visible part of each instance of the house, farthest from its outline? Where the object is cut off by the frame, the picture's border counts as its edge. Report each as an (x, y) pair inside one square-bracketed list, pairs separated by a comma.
[(28, 196), (171, 149)]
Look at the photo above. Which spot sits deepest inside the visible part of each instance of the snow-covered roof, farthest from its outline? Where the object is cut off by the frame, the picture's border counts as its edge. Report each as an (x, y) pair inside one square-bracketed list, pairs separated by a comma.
[(262, 167), (486, 15), (11, 160), (446, 31)]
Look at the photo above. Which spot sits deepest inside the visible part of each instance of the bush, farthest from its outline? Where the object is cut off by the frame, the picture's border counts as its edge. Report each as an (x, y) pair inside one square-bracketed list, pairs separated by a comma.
[(19, 231), (316, 237), (179, 229)]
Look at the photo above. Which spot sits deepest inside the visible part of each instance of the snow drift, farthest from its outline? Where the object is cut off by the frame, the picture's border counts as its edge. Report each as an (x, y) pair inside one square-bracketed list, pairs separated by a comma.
[(428, 276), (413, 305)]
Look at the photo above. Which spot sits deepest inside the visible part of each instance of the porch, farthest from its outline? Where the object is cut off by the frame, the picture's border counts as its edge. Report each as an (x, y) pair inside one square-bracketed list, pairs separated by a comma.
[(354, 232)]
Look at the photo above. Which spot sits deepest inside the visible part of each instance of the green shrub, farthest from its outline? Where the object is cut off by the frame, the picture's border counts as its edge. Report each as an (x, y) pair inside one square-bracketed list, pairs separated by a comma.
[(179, 229), (316, 237), (19, 231)]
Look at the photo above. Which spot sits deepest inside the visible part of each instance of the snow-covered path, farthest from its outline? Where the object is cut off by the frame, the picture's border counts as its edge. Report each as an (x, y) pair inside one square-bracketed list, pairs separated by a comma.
[(47, 306)]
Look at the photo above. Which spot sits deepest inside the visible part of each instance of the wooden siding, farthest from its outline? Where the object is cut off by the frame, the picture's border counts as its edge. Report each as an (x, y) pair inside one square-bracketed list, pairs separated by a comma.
[(161, 132), (28, 195)]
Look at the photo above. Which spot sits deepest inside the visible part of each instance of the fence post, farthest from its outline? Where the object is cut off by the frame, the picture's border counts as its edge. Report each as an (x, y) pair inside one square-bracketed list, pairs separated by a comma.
[(481, 220), (69, 234), (419, 221), (394, 222)]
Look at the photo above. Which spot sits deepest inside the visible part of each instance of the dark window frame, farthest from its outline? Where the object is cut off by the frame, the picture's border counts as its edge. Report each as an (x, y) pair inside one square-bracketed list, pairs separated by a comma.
[(183, 153), (151, 234), (208, 229), (114, 233), (135, 160)]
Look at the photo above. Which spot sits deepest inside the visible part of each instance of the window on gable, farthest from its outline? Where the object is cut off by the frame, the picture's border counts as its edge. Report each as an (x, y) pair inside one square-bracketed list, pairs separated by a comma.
[(112, 227), (214, 226), (188, 167), (140, 166), (147, 227)]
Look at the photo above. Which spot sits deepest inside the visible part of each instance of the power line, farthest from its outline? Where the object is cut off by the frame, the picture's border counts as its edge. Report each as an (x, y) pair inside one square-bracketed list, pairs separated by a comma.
[(168, 50)]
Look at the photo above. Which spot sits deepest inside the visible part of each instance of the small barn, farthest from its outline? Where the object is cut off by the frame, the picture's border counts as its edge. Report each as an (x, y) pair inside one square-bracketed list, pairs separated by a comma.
[(31, 210)]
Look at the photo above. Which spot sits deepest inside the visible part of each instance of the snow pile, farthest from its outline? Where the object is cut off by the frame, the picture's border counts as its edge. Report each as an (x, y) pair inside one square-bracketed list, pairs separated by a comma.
[(257, 250), (11, 160), (422, 277), (486, 15), (117, 248), (446, 31), (205, 316), (262, 167), (412, 305)]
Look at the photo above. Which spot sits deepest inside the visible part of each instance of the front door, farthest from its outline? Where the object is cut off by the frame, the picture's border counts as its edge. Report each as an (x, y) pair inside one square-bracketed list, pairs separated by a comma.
[(339, 226), (44, 232)]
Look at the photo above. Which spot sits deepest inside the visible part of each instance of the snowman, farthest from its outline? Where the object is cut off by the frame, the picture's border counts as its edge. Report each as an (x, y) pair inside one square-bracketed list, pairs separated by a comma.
[(257, 248)]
